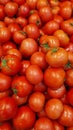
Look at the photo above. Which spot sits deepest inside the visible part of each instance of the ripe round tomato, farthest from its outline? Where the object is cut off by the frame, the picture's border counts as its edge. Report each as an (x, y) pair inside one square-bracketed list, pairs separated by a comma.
[(8, 108), (10, 64), (57, 57), (21, 86), (36, 101), (43, 123), (66, 118), (54, 108), (54, 77), (34, 74), (28, 47), (24, 119), (5, 82)]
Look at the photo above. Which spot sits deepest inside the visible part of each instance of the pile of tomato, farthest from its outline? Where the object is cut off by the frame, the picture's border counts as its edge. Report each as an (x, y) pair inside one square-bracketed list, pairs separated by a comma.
[(36, 64)]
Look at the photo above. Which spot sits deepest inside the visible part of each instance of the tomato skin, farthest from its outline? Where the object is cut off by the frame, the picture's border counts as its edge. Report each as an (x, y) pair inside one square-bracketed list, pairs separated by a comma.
[(5, 126), (58, 126), (69, 78), (2, 13), (45, 14), (11, 9), (25, 114), (34, 74), (54, 108), (38, 58), (2, 24), (43, 123), (66, 118), (5, 82), (42, 3), (8, 109), (57, 57), (19, 2), (67, 26), (58, 93), (21, 86), (36, 101), (70, 128), (32, 3), (9, 20), (5, 93), (21, 21), (40, 87), (70, 96), (50, 27), (28, 47), (54, 77), (4, 1), (5, 34), (10, 64)]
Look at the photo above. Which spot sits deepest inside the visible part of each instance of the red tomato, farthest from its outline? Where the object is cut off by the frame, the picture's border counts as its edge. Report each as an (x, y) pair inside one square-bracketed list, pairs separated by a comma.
[(66, 118), (43, 123), (5, 34), (2, 13), (5, 126), (36, 101), (69, 78), (34, 74), (32, 3), (10, 64), (42, 3), (8, 108), (70, 96), (11, 9), (58, 126), (9, 20), (21, 86), (24, 119), (54, 108), (19, 2), (4, 1), (28, 47), (5, 82), (54, 77)]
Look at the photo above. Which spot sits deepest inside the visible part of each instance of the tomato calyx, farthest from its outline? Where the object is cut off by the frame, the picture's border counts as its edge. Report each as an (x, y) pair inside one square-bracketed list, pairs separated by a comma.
[(45, 45), (38, 22), (54, 50), (4, 64), (15, 91), (68, 65), (22, 32)]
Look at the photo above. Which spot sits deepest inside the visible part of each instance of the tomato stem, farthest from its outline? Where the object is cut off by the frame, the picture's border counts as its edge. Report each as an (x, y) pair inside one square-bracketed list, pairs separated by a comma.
[(45, 45), (14, 90), (54, 50)]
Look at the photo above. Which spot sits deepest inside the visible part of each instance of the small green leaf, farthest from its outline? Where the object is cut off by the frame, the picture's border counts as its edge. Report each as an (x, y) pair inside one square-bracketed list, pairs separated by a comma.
[(68, 65), (15, 91), (4, 63), (54, 50), (45, 45)]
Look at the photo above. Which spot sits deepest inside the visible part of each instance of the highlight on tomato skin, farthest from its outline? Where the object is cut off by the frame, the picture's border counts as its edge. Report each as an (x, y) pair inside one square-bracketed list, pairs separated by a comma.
[(36, 65)]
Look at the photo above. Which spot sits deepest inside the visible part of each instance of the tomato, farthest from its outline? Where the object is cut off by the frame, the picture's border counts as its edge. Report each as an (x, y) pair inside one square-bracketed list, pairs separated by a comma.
[(7, 46), (4, 1), (13, 27), (21, 21), (36, 101), (32, 3), (24, 65), (42, 113), (69, 47), (58, 93), (50, 27), (5, 34), (66, 118), (2, 24), (40, 87), (45, 13), (55, 10), (66, 10), (2, 13), (58, 19), (10, 65), (15, 52), (5, 126), (67, 26), (8, 108), (54, 77), (34, 74), (19, 2), (63, 38), (57, 57), (24, 10), (32, 31), (35, 19), (42, 3), (19, 36), (9, 20), (70, 96), (20, 100), (28, 47), (11, 9), (69, 78), (54, 108), (58, 126), (24, 119), (54, 3), (5, 93), (38, 58), (43, 123), (21, 86), (5, 82)]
